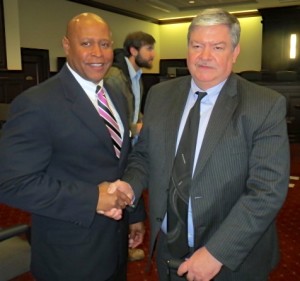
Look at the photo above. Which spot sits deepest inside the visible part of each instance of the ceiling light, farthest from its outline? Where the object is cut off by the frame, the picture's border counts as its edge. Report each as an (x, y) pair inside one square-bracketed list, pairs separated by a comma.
[(293, 46)]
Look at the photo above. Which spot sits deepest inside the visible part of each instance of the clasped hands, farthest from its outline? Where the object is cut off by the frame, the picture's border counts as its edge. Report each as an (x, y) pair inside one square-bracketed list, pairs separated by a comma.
[(113, 198)]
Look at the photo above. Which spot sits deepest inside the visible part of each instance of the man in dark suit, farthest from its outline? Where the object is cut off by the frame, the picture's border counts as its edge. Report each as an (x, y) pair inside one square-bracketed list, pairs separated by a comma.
[(56, 153), (240, 171)]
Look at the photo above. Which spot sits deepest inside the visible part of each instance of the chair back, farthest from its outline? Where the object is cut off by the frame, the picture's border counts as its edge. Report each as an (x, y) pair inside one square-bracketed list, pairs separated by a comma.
[(286, 75), (4, 109)]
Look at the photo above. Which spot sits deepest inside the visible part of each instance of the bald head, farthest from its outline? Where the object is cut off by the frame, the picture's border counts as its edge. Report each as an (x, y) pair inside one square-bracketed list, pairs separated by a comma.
[(81, 20), (88, 46)]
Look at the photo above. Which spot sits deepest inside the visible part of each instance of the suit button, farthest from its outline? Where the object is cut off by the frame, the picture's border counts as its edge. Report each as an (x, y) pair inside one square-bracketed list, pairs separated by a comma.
[(159, 219)]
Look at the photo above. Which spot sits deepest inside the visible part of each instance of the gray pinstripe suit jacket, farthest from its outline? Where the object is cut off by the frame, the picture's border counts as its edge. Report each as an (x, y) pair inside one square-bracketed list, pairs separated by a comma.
[(241, 178)]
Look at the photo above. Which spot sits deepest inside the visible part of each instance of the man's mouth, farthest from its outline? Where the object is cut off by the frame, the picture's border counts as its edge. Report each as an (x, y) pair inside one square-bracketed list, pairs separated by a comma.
[(97, 64)]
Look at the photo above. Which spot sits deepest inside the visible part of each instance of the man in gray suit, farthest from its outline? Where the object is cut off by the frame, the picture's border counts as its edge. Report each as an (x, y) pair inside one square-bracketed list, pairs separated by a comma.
[(240, 170)]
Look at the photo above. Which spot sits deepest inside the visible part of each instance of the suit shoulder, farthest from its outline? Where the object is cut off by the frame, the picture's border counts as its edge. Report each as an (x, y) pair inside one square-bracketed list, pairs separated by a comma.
[(173, 84), (115, 76), (168, 91), (256, 90), (113, 71), (46, 88)]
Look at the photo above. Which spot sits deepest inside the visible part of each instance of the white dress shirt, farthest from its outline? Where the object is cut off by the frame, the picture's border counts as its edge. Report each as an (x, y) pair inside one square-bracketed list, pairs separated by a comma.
[(90, 89)]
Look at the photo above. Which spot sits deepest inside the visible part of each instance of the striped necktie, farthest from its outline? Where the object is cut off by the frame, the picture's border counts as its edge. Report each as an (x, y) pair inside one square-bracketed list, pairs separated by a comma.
[(181, 179), (109, 120)]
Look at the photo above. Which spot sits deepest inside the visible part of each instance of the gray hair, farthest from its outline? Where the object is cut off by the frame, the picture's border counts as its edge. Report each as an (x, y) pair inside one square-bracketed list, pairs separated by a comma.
[(215, 16)]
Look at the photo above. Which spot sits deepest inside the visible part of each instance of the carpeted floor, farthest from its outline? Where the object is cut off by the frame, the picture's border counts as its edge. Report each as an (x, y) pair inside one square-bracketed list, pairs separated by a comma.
[(288, 226)]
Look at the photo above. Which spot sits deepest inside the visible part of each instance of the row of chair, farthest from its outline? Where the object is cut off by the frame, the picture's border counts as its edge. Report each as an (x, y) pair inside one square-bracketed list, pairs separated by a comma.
[(279, 76), (14, 251), (14, 240), (4, 108)]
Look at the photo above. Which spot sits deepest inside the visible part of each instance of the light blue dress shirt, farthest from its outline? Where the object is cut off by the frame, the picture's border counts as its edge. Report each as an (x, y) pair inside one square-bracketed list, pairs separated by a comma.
[(207, 105), (135, 77)]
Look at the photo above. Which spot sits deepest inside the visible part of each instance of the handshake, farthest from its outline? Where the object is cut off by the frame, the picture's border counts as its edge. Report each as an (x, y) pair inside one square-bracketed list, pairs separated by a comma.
[(113, 198)]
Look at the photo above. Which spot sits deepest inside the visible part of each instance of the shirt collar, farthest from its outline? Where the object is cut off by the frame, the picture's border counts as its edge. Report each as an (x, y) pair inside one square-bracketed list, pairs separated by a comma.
[(212, 92), (85, 84), (133, 74)]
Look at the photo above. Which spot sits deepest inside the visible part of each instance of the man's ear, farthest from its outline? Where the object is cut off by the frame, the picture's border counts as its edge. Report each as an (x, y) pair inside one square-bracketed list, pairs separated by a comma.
[(66, 44), (236, 53), (133, 51)]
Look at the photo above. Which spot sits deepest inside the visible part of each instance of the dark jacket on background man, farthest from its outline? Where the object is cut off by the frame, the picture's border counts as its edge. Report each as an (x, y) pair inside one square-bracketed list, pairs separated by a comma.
[(119, 76)]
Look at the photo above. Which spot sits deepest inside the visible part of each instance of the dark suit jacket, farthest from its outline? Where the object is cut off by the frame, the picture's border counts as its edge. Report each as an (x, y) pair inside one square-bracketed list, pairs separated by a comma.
[(54, 151), (241, 177)]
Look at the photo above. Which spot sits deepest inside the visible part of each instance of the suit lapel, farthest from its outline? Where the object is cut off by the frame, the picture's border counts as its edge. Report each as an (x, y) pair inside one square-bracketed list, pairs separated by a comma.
[(175, 110), (220, 117), (81, 106), (86, 112)]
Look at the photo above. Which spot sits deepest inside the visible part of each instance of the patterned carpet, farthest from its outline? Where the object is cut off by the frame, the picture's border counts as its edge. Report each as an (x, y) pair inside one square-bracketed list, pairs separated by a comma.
[(288, 226)]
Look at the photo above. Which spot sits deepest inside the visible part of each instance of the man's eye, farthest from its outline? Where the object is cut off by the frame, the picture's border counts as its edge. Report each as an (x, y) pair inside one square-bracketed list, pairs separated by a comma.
[(196, 46), (219, 48), (85, 44), (105, 45)]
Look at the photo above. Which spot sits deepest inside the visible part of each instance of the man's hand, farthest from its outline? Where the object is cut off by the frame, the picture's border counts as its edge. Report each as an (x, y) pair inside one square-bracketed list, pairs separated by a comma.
[(111, 202), (136, 234), (124, 187), (139, 126), (113, 213), (201, 266)]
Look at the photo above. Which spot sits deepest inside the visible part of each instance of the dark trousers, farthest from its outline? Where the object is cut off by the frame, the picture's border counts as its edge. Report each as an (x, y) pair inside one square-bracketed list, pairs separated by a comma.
[(120, 274), (165, 273), (163, 255)]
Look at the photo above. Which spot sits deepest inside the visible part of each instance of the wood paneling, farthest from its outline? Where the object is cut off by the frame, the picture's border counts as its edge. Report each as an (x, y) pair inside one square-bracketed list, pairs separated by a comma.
[(278, 25), (11, 85), (3, 63)]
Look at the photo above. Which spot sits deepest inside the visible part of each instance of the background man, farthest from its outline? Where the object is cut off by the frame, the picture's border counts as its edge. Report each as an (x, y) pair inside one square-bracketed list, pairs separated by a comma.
[(137, 53)]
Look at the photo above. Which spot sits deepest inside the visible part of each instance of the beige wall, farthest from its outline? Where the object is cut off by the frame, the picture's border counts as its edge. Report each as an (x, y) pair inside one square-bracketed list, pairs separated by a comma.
[(251, 45), (12, 33), (52, 21), (41, 24), (173, 41)]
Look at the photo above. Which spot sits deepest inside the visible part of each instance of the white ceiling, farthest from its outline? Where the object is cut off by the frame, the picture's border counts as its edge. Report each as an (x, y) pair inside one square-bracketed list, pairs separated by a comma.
[(155, 10)]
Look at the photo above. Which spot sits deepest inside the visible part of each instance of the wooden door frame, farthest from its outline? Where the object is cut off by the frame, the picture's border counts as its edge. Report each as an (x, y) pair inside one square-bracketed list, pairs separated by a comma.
[(43, 56), (3, 61)]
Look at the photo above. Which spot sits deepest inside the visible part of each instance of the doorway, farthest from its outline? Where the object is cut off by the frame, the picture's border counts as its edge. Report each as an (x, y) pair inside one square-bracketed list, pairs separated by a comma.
[(35, 66)]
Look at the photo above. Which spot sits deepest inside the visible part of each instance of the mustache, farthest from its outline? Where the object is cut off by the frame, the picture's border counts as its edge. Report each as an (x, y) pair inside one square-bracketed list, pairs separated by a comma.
[(203, 64)]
